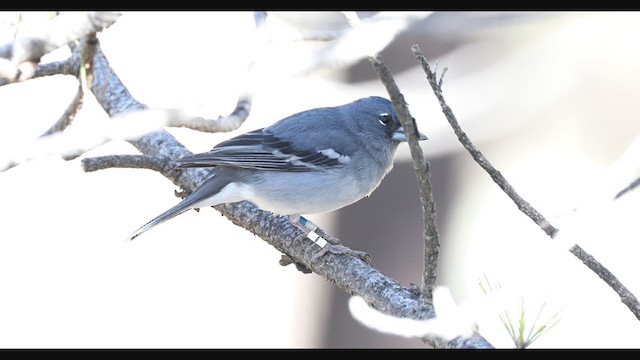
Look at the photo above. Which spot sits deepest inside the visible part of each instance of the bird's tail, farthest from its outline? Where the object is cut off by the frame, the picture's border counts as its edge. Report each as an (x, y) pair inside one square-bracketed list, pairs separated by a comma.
[(183, 206), (206, 190)]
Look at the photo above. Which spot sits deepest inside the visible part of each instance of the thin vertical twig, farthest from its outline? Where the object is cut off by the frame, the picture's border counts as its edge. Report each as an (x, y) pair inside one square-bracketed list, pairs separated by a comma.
[(626, 296), (421, 168), (497, 177)]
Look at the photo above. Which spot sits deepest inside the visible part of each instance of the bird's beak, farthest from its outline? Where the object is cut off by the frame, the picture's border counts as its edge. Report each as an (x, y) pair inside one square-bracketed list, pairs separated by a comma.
[(400, 136)]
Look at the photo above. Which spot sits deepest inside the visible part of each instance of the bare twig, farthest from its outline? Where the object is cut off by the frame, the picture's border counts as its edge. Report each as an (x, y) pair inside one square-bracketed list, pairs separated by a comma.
[(628, 188), (623, 174), (178, 118), (421, 168), (69, 113), (151, 162), (625, 295), (497, 177), (607, 276), (69, 66)]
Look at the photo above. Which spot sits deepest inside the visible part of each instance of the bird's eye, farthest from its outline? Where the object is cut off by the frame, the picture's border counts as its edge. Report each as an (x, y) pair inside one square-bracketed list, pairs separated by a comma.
[(385, 119)]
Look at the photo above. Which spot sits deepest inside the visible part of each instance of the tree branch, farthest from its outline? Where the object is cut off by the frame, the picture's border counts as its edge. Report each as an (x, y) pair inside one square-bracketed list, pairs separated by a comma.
[(68, 115), (178, 118), (70, 66), (350, 274), (59, 32), (421, 168), (625, 295), (128, 125), (150, 162)]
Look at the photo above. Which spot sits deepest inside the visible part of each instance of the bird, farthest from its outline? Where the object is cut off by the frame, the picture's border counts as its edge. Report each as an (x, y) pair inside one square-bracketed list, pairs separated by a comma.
[(314, 161)]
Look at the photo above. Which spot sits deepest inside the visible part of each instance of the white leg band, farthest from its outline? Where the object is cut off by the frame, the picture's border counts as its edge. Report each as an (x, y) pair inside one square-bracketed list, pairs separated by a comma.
[(319, 240)]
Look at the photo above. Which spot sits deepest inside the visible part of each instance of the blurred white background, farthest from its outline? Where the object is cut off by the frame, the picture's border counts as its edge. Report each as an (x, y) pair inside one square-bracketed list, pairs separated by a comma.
[(550, 98)]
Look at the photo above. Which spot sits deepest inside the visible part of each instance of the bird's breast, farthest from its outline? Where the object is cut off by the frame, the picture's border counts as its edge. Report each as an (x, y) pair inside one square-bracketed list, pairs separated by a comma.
[(306, 192)]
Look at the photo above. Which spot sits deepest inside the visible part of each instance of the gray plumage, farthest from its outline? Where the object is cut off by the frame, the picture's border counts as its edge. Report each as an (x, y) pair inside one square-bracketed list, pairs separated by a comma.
[(314, 161)]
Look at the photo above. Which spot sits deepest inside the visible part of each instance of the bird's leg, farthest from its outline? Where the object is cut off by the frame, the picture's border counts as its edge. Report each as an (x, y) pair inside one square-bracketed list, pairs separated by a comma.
[(326, 242), (286, 260)]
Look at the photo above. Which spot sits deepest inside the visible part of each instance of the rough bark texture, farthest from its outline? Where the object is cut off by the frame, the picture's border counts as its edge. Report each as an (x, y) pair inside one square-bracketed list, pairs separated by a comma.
[(350, 274)]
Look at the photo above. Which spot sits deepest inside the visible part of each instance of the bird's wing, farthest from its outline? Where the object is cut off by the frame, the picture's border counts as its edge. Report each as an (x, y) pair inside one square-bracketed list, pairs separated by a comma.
[(262, 150)]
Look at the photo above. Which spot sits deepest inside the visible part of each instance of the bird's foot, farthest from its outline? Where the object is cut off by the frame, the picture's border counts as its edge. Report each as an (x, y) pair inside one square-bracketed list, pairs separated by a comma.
[(326, 242), (286, 260), (341, 249), (181, 194)]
